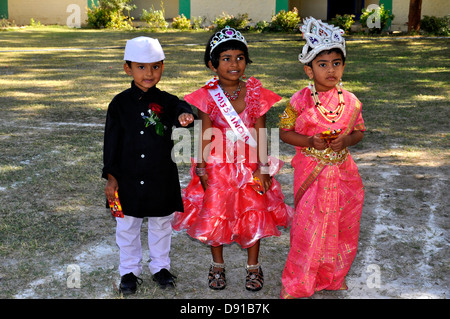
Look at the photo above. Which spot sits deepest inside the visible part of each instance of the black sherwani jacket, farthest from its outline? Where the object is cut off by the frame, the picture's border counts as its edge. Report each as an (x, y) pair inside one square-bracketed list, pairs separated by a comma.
[(139, 158)]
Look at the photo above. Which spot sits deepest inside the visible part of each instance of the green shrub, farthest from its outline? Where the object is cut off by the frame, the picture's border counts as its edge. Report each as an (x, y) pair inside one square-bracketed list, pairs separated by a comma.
[(240, 22), (285, 21), (197, 22), (110, 14), (261, 26), (385, 17), (343, 21), (181, 23), (155, 18), (5, 24), (435, 25)]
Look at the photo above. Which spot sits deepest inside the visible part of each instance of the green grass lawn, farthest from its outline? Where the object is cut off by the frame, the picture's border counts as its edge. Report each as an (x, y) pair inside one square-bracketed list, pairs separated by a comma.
[(53, 103)]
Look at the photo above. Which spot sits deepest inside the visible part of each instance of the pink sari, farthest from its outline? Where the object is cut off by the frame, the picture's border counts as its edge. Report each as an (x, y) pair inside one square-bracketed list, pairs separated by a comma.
[(329, 198)]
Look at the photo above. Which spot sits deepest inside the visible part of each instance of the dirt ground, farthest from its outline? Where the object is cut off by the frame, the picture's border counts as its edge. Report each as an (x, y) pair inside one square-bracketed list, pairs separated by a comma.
[(403, 249)]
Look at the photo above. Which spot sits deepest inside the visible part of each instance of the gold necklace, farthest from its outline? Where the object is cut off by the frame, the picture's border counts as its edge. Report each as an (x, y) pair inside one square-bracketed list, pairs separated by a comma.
[(331, 116)]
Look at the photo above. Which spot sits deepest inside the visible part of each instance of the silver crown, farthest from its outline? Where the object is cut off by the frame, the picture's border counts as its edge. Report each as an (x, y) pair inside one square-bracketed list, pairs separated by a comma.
[(226, 34), (319, 37)]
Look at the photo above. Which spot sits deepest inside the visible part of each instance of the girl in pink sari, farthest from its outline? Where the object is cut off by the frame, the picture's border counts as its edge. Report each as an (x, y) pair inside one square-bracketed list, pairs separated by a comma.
[(321, 121)]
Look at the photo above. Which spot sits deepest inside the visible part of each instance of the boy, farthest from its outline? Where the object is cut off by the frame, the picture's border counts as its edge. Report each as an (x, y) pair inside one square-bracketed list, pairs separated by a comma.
[(138, 164)]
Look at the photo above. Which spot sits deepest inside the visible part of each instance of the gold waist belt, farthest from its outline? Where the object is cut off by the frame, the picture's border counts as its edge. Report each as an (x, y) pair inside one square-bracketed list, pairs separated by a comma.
[(326, 156)]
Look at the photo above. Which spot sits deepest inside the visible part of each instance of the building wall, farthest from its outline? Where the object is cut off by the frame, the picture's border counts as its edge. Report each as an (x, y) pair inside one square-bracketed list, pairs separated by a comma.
[(257, 10), (55, 11), (171, 7), (52, 12)]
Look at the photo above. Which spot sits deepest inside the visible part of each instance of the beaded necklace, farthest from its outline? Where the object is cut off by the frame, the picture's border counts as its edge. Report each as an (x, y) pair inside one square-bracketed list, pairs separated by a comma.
[(331, 116), (235, 94)]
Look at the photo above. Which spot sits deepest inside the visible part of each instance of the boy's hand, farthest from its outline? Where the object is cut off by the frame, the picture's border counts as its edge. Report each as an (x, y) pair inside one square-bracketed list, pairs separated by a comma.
[(111, 187), (185, 119)]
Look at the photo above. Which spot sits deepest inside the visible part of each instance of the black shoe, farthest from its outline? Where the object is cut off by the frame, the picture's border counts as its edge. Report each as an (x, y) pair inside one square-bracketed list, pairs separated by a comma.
[(128, 284), (164, 278)]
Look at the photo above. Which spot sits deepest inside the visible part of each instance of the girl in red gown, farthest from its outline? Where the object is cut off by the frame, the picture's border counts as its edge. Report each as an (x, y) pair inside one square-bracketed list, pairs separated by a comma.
[(221, 205)]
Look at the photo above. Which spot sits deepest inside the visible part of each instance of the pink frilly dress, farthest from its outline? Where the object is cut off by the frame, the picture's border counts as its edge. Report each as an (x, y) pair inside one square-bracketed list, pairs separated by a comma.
[(230, 210)]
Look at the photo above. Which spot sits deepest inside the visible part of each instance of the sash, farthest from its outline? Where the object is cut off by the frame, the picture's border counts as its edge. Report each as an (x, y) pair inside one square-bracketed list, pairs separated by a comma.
[(320, 166), (229, 113)]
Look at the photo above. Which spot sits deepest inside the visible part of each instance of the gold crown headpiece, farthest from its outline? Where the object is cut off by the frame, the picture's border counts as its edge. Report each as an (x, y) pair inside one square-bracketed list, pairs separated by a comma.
[(319, 37), (226, 34)]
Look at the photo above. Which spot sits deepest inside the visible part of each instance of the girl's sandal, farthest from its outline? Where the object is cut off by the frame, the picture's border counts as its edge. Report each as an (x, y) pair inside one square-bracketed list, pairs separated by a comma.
[(255, 279), (216, 278)]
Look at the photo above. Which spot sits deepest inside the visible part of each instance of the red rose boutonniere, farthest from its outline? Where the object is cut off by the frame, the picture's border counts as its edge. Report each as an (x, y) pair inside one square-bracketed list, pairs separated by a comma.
[(156, 108), (154, 111)]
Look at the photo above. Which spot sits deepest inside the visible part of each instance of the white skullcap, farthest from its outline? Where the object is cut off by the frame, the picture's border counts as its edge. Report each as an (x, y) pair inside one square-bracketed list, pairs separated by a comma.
[(143, 50)]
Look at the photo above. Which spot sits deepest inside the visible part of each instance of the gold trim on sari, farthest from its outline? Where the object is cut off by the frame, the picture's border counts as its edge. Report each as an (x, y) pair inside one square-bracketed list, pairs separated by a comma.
[(288, 118), (326, 156)]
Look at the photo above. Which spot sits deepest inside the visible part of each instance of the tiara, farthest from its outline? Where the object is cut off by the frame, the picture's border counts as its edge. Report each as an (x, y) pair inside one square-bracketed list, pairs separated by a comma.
[(319, 36), (226, 34)]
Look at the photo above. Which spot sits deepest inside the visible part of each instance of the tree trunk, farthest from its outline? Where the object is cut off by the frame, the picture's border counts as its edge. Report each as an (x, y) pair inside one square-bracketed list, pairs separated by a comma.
[(415, 10)]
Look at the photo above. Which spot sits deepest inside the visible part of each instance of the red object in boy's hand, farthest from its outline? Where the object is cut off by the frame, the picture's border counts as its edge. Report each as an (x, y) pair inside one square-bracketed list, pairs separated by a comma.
[(116, 208)]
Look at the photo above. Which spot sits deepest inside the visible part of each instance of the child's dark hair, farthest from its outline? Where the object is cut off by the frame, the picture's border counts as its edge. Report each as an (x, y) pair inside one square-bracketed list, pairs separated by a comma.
[(225, 46), (129, 63), (336, 50)]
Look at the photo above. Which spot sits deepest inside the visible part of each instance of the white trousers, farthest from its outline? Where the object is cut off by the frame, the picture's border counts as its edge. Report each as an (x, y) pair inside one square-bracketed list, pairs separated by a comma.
[(128, 238)]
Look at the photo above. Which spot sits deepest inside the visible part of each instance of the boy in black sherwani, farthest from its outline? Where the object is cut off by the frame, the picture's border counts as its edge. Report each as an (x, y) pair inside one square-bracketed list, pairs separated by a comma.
[(138, 163)]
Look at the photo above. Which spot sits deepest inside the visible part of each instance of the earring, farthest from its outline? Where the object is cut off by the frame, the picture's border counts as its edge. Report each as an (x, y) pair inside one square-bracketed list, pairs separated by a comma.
[(243, 76), (340, 82)]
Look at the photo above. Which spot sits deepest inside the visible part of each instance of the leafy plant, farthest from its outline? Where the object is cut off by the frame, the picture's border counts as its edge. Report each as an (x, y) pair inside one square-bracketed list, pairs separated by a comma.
[(197, 22), (4, 24), (285, 21), (344, 22), (261, 26), (181, 23), (436, 25), (155, 18), (240, 22), (110, 14), (34, 23)]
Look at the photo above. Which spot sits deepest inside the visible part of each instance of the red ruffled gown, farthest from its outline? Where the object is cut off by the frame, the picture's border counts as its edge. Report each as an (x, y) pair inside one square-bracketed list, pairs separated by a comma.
[(230, 210)]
